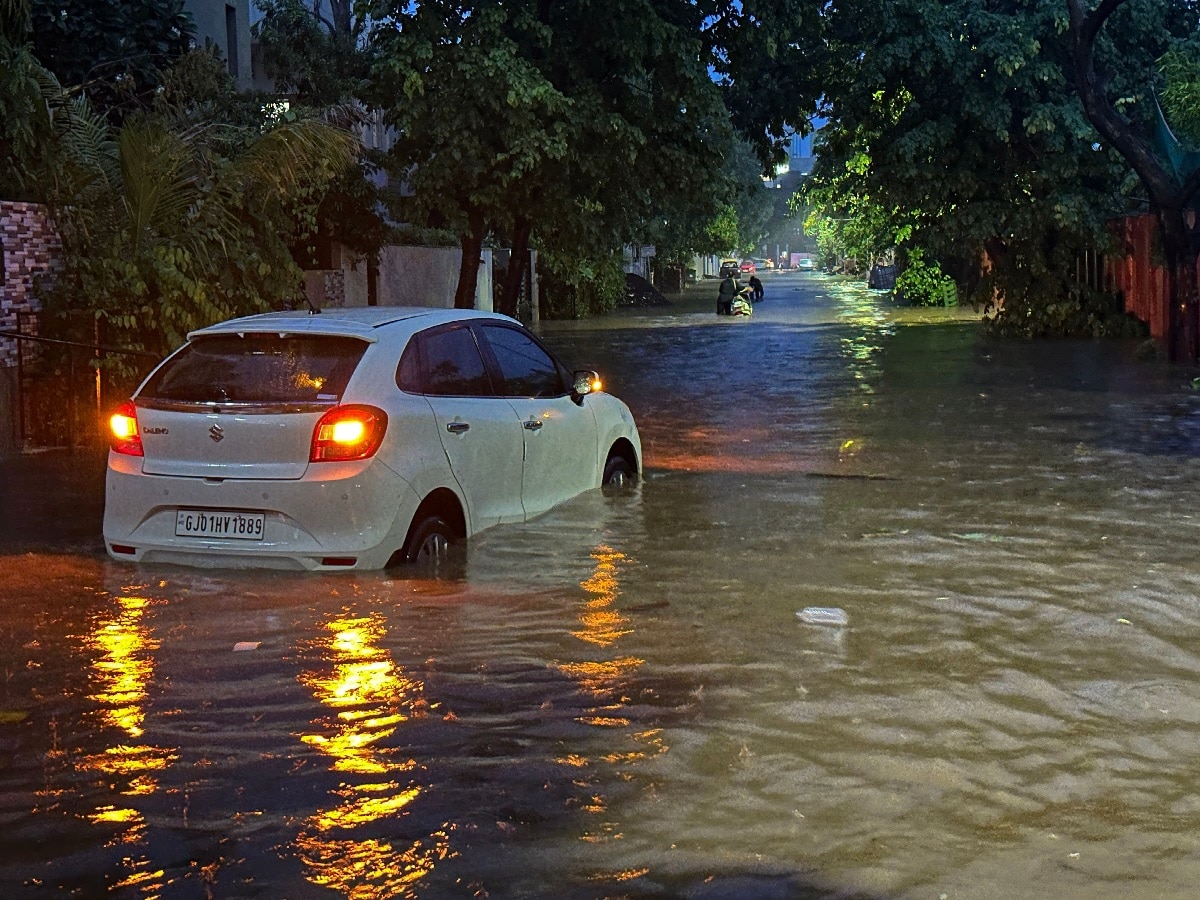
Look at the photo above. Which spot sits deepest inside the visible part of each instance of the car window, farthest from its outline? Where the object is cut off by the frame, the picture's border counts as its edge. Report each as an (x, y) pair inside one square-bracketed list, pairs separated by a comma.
[(258, 368), (445, 362), (528, 370)]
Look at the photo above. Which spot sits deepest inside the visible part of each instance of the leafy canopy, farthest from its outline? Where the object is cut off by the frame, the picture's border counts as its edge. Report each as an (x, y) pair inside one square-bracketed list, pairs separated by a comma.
[(586, 123)]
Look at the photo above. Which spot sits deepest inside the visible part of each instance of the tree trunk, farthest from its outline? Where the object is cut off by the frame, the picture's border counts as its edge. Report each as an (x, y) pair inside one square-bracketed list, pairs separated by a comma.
[(340, 11), (1166, 193), (518, 265), (468, 270)]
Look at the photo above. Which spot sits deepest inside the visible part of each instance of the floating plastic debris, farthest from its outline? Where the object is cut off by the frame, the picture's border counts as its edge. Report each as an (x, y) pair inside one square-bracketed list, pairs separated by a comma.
[(246, 645), (823, 615)]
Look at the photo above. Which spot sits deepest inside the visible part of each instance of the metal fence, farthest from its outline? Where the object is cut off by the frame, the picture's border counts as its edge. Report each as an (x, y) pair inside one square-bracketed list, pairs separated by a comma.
[(64, 387)]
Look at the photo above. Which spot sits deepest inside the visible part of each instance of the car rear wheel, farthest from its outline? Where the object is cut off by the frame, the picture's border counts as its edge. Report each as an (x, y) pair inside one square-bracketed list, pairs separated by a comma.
[(430, 542), (618, 474)]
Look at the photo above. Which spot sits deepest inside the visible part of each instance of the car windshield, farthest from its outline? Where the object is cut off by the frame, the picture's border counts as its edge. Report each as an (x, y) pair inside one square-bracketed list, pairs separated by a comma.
[(258, 368)]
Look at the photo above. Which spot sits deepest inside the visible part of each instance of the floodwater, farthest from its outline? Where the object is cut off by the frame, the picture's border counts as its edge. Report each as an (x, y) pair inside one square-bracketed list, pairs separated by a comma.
[(619, 700)]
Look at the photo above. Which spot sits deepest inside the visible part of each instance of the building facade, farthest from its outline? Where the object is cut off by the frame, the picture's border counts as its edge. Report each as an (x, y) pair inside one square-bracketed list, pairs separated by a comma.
[(226, 24)]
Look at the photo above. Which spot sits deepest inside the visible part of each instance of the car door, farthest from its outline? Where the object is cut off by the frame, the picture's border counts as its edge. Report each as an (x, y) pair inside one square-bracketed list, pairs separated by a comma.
[(480, 432), (560, 435)]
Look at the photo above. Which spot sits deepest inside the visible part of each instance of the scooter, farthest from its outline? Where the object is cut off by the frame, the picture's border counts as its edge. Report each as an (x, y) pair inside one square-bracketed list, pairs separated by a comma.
[(743, 303)]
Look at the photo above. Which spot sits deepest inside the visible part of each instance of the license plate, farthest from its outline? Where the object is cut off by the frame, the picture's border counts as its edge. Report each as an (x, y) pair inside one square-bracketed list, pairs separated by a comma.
[(222, 523)]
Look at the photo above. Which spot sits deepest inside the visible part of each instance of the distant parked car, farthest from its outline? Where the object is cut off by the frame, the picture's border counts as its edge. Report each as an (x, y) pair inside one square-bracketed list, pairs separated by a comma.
[(806, 264), (729, 267), (353, 439), (748, 267)]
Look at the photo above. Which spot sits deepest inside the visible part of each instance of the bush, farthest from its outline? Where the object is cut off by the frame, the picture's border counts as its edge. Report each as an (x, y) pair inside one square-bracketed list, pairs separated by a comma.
[(923, 283), (573, 288)]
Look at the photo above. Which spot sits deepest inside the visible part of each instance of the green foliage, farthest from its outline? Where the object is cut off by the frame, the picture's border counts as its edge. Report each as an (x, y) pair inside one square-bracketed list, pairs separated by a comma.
[(28, 93), (1180, 95), (163, 234), (721, 234), (318, 61), (414, 236), (728, 216), (592, 123), (752, 202), (954, 126), (774, 60), (14, 20), (923, 283), (114, 52), (574, 288), (1041, 297)]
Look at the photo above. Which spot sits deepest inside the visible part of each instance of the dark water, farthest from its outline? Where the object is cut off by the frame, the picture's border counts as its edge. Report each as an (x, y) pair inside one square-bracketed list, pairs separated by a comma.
[(618, 700)]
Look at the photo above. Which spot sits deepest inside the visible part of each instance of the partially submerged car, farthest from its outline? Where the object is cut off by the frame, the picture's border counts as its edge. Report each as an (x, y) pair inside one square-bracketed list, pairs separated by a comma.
[(353, 439)]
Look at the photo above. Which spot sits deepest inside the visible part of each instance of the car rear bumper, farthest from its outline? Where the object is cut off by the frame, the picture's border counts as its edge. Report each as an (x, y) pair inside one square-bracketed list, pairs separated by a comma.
[(342, 516)]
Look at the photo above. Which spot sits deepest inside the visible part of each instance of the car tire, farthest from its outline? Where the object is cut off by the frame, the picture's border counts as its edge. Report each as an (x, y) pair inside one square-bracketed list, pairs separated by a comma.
[(430, 542), (618, 474)]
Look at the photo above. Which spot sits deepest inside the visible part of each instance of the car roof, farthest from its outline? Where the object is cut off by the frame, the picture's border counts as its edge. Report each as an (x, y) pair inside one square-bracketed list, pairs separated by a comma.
[(361, 322)]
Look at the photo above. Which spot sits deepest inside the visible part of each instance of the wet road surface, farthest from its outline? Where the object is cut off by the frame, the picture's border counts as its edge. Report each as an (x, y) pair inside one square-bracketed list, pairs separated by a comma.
[(618, 699)]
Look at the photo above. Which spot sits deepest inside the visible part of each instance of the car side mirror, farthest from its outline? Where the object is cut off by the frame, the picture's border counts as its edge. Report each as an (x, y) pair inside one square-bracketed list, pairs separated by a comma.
[(586, 382)]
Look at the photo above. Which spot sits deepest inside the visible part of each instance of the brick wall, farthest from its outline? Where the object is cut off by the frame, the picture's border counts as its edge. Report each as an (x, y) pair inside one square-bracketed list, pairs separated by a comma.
[(30, 247)]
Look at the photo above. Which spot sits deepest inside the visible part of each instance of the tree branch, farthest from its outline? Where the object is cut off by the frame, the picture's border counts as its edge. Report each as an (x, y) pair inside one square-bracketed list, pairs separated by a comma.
[(1091, 23), (1107, 120)]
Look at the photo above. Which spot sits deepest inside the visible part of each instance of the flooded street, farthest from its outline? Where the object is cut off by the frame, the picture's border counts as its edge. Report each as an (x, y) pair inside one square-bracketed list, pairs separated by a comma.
[(619, 700)]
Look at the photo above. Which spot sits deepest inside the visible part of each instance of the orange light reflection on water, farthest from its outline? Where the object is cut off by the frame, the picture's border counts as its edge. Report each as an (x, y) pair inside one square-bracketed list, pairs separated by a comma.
[(369, 696), (122, 651), (607, 679), (673, 445)]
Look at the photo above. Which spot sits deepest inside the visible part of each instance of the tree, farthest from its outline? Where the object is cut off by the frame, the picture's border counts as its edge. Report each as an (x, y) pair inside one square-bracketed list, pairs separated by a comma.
[(27, 94), (953, 129), (773, 60), (1128, 131), (1006, 131), (564, 125), (471, 116), (316, 59), (168, 230), (114, 52), (14, 20)]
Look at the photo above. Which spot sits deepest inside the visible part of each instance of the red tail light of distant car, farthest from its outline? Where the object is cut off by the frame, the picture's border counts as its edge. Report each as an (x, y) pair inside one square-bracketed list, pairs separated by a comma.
[(348, 433)]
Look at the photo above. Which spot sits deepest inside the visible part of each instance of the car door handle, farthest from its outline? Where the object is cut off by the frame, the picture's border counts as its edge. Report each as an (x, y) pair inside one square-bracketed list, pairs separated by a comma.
[(533, 424), (457, 427)]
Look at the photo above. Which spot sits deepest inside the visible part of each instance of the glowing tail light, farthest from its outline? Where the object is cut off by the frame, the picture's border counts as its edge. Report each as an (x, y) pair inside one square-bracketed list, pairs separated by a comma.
[(123, 430), (348, 432)]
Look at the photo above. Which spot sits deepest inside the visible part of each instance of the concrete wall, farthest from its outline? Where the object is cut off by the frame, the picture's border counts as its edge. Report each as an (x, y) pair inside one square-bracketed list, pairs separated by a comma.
[(408, 276), (428, 276)]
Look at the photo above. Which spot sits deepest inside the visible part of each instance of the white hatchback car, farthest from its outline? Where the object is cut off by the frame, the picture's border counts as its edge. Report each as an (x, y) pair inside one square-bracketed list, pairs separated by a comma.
[(353, 439)]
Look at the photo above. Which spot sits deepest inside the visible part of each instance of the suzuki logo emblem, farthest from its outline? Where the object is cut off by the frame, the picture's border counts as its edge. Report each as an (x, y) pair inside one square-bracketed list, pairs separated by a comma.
[(217, 433)]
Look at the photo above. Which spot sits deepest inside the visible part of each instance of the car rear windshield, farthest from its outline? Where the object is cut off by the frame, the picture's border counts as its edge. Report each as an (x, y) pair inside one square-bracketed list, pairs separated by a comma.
[(258, 368)]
